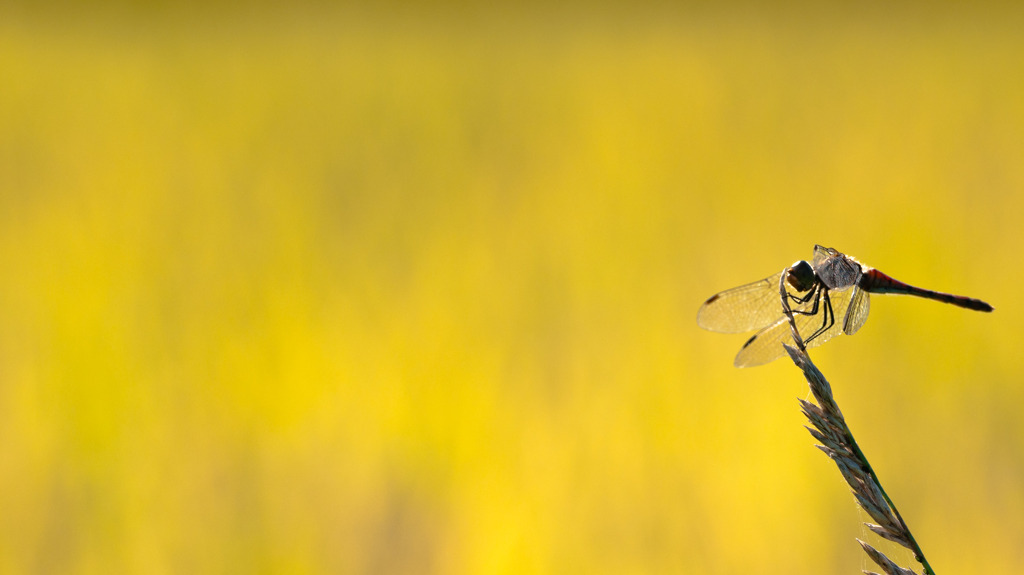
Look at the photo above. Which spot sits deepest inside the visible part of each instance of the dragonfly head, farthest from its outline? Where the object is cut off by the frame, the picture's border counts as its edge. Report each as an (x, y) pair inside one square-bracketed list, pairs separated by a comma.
[(801, 276)]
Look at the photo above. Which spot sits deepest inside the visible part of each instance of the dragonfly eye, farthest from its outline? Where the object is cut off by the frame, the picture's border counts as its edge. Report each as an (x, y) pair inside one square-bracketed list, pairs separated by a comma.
[(801, 276)]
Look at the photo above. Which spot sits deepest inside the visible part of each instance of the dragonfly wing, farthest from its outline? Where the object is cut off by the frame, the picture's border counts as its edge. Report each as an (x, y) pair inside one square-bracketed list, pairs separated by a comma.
[(744, 308), (820, 254), (766, 345), (857, 313)]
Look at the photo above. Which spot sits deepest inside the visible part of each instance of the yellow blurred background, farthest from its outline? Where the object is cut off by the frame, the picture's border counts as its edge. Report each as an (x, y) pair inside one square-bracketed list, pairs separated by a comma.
[(412, 290)]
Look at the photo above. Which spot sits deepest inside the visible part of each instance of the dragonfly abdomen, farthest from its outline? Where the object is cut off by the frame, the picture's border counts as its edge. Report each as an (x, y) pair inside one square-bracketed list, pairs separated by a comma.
[(874, 281)]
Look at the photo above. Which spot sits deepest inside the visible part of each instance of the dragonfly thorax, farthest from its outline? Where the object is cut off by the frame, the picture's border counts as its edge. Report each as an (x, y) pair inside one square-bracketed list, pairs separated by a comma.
[(839, 272)]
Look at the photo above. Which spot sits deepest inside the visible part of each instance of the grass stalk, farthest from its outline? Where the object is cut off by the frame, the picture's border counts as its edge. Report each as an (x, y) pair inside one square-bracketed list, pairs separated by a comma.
[(830, 428)]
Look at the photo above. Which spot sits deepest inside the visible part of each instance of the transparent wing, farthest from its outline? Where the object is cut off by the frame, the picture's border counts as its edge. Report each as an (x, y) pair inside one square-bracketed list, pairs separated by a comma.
[(820, 254), (766, 345), (857, 313), (744, 308)]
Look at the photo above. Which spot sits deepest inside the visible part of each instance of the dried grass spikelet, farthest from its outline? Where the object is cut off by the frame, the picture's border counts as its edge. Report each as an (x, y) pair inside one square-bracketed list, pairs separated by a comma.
[(829, 428)]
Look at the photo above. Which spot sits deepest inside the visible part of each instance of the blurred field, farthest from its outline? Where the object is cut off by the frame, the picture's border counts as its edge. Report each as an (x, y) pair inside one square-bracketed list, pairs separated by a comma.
[(399, 291)]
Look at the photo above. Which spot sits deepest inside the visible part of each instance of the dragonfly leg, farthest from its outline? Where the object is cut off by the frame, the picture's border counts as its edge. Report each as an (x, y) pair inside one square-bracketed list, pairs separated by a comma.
[(813, 293), (829, 318), (806, 298)]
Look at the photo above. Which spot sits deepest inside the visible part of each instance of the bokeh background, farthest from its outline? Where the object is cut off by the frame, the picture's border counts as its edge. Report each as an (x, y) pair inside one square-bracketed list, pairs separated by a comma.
[(412, 289)]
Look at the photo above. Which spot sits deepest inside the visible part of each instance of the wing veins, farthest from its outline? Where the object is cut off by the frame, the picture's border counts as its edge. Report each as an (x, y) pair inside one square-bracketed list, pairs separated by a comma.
[(744, 308)]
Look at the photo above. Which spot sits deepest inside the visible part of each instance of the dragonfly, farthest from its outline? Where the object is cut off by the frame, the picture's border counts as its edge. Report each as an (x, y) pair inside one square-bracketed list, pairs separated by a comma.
[(827, 296)]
